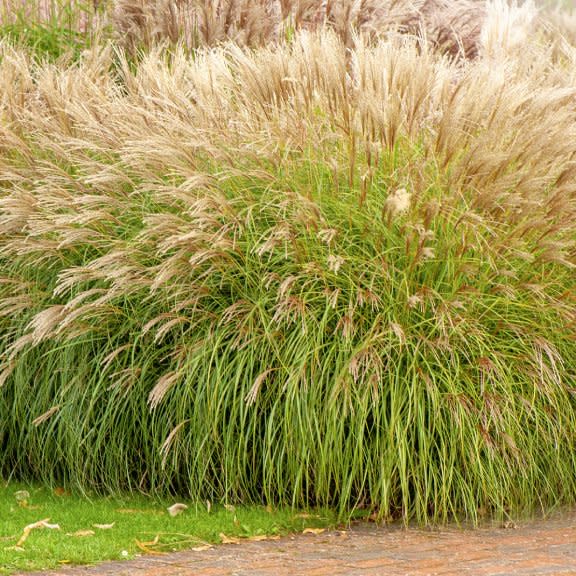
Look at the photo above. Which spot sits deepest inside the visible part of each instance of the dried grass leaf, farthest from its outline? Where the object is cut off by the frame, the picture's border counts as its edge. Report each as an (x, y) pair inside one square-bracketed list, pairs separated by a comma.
[(177, 509)]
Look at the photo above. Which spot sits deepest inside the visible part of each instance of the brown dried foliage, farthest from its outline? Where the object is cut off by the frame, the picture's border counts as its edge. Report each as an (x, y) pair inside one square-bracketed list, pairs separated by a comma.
[(451, 25)]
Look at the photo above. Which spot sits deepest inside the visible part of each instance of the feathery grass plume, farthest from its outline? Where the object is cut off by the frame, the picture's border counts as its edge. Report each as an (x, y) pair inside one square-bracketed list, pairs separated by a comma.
[(563, 23), (556, 32), (198, 270), (452, 26), (507, 28), (140, 23), (456, 27)]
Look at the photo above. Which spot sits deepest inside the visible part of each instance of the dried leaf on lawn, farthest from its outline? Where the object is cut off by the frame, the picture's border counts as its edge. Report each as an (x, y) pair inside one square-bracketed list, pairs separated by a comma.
[(228, 539), (40, 524), (313, 530), (146, 546), (24, 504), (81, 533), (176, 509), (22, 497), (104, 526), (202, 548)]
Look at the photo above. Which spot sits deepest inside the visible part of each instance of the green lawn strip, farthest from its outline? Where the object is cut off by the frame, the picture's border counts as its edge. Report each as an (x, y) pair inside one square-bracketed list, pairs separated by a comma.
[(95, 529)]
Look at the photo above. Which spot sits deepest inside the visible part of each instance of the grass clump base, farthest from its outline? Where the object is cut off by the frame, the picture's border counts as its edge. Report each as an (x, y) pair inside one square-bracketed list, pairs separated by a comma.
[(246, 276)]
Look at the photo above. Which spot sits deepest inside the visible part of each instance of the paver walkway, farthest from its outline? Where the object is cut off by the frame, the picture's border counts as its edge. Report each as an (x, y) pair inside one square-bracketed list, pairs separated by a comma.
[(534, 548)]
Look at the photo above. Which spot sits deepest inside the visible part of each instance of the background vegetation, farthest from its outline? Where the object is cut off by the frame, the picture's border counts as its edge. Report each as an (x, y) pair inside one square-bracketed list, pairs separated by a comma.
[(335, 267)]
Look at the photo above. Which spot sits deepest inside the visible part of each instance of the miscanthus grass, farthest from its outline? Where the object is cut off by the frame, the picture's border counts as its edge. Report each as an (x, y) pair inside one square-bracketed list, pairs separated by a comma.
[(460, 28), (452, 25), (313, 274)]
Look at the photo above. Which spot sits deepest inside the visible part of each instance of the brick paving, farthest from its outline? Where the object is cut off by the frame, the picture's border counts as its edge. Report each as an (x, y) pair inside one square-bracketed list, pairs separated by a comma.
[(533, 548)]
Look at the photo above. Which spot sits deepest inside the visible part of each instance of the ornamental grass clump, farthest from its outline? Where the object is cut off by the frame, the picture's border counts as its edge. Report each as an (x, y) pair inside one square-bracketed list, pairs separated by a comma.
[(306, 274), (450, 25), (458, 28)]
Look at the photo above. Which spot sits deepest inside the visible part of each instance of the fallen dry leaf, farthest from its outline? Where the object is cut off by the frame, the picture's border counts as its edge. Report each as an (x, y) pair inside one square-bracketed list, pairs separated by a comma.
[(202, 548), (40, 524), (313, 530), (260, 537), (25, 504), (22, 497), (149, 551), (146, 546), (176, 509), (228, 539), (230, 508), (104, 526), (81, 533)]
